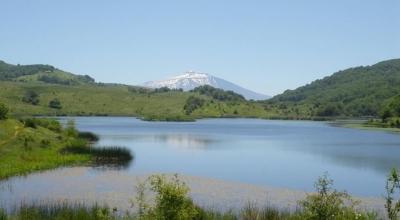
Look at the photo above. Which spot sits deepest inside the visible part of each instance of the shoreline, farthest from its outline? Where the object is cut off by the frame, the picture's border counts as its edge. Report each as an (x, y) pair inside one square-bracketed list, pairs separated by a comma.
[(116, 188)]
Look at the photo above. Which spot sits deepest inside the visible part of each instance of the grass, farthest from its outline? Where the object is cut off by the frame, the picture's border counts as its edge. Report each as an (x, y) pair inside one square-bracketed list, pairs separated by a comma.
[(64, 209), (116, 100), (389, 125), (42, 209), (24, 150)]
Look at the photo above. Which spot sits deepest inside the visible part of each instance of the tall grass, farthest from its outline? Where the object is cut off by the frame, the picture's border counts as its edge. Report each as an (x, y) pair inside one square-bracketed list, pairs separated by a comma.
[(65, 209), (49, 162), (42, 209), (104, 153)]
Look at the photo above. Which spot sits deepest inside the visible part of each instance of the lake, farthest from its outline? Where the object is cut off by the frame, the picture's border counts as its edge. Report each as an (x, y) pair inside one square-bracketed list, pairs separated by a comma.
[(287, 154)]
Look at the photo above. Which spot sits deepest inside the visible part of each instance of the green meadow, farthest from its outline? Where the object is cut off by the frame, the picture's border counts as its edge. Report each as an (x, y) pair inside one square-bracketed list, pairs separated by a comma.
[(117, 100)]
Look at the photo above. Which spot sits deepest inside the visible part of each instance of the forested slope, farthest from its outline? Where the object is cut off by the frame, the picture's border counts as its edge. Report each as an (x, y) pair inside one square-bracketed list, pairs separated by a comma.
[(40, 72), (358, 91)]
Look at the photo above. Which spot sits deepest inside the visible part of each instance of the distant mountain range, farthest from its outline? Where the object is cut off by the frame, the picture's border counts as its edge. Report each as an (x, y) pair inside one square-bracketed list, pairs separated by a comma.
[(191, 80)]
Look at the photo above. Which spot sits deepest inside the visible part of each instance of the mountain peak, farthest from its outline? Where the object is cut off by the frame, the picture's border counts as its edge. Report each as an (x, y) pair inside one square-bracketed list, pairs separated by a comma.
[(191, 79), (192, 74)]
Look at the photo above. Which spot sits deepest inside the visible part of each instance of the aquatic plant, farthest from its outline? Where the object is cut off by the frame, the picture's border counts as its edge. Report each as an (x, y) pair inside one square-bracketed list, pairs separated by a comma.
[(88, 136), (104, 153)]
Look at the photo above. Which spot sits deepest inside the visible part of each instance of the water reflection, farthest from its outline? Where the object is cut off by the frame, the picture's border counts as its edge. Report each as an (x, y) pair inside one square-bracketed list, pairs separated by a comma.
[(111, 165), (186, 142), (253, 151)]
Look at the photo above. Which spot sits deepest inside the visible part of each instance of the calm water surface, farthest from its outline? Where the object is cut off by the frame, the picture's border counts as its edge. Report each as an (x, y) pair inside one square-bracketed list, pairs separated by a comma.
[(288, 154)]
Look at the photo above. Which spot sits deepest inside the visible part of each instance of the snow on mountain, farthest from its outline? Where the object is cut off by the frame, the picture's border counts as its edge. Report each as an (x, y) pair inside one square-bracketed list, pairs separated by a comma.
[(191, 80)]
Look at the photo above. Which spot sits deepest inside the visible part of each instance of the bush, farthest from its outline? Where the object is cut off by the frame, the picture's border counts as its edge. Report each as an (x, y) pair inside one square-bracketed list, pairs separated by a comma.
[(329, 205), (171, 200), (55, 103), (3, 111), (392, 182)]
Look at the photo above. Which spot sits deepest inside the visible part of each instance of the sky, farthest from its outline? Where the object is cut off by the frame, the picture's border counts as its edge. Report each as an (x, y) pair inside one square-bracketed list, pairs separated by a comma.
[(265, 46)]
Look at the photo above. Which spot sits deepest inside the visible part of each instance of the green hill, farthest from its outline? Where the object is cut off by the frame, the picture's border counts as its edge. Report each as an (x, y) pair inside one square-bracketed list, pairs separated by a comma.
[(45, 90), (39, 72), (358, 91)]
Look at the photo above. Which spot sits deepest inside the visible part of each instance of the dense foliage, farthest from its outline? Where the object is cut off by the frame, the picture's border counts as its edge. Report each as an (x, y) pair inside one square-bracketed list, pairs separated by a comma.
[(44, 73), (31, 97), (165, 89), (192, 103), (78, 79), (218, 94), (139, 90), (357, 91), (9, 72), (391, 108), (3, 111)]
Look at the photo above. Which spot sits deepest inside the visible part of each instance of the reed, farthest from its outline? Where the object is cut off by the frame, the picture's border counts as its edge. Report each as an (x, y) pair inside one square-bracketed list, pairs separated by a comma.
[(88, 136), (59, 209), (103, 153)]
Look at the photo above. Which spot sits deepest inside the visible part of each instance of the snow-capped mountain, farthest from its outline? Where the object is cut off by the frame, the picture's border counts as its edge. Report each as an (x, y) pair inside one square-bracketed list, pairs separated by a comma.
[(191, 80)]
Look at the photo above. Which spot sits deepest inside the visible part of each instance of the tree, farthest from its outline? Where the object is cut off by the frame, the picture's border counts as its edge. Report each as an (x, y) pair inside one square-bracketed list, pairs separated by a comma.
[(385, 113), (55, 103), (3, 111), (31, 97)]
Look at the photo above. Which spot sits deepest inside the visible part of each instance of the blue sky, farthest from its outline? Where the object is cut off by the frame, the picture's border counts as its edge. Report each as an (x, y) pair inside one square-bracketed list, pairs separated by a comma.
[(265, 46)]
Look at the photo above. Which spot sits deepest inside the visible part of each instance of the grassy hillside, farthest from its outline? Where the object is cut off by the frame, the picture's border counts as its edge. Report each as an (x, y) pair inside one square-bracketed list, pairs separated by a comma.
[(39, 72), (358, 91), (26, 149), (45, 90), (117, 100)]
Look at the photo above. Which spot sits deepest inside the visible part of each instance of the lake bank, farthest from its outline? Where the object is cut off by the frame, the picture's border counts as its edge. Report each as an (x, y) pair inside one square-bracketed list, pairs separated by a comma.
[(116, 188)]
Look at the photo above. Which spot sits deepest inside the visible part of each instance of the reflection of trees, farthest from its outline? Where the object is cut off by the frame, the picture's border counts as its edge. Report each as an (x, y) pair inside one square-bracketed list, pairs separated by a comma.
[(180, 141), (116, 165), (186, 141)]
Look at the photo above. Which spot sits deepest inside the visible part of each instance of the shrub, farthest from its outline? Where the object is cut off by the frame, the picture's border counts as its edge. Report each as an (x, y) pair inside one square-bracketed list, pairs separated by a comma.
[(171, 200), (329, 205), (392, 182), (3, 111), (55, 103)]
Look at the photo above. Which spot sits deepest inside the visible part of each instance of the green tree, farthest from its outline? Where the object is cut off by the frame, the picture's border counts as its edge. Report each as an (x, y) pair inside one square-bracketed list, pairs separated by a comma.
[(55, 103), (3, 111), (31, 97), (192, 103), (385, 113)]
